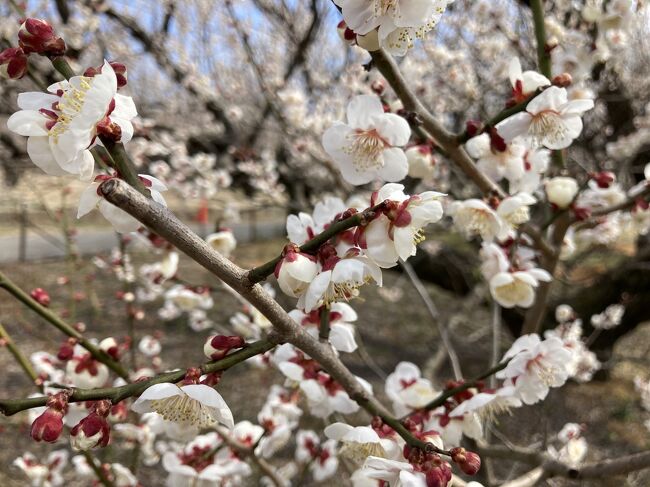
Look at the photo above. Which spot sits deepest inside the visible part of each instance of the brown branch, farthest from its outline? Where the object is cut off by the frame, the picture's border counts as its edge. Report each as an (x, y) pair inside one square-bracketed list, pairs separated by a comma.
[(555, 468)]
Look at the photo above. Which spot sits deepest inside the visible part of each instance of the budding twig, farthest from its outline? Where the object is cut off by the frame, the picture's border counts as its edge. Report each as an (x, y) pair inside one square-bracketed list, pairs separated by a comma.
[(117, 394)]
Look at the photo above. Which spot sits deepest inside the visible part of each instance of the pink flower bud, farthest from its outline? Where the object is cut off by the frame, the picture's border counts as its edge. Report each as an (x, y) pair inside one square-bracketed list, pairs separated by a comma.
[(469, 462), (90, 432), (66, 351), (563, 80), (40, 296), (48, 426), (38, 36), (218, 346), (13, 63)]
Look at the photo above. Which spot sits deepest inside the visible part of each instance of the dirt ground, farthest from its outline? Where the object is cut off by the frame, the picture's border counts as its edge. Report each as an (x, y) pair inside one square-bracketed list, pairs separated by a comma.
[(389, 333)]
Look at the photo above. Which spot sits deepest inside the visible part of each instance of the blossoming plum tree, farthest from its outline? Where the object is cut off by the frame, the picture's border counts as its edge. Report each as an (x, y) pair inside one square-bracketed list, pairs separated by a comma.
[(529, 201)]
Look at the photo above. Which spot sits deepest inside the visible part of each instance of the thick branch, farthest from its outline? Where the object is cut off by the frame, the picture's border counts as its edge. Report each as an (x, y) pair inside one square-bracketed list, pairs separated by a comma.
[(164, 223)]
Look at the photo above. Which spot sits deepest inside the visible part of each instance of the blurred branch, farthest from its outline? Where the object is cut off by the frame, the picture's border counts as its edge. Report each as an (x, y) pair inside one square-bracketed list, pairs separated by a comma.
[(18, 355), (433, 312), (61, 325), (153, 46)]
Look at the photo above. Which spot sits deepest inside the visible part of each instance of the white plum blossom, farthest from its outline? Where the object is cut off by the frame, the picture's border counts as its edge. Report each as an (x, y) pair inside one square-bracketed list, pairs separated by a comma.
[(222, 241), (474, 217), (397, 21), (610, 318), (514, 211), (194, 404), (509, 164), (420, 160), (407, 389), (524, 83), (357, 442), (340, 279), (46, 474), (369, 145), (341, 329), (395, 233), (295, 272), (61, 125), (517, 288), (550, 119), (535, 366), (561, 190), (319, 456), (122, 222)]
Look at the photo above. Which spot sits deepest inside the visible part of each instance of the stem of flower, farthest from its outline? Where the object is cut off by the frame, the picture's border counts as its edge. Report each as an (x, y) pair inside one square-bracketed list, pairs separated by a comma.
[(117, 394), (324, 329), (99, 473), (543, 54), (61, 325)]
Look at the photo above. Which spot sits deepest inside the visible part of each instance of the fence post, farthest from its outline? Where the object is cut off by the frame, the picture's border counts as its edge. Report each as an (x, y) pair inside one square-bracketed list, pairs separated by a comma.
[(22, 241)]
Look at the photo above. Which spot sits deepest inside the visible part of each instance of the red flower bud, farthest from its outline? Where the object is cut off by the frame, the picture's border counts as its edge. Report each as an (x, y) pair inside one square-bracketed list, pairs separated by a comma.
[(40, 296), (563, 80), (13, 63), (473, 127), (120, 73), (109, 130), (38, 36), (48, 426), (469, 462), (604, 179)]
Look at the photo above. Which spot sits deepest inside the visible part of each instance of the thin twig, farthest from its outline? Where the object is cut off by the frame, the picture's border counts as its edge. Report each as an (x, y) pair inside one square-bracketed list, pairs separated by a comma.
[(433, 312)]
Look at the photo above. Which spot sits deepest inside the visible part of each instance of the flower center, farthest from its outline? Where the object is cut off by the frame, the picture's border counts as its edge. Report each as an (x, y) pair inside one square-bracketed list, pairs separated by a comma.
[(366, 147), (382, 7), (547, 125), (476, 221), (69, 106), (182, 408), (516, 291), (358, 452), (519, 216)]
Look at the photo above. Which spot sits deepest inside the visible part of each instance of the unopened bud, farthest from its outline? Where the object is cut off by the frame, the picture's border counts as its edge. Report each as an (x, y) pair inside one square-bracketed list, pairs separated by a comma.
[(473, 127), (604, 179), (378, 87), (110, 346), (345, 33), (110, 130), (38, 36), (218, 346), (563, 80), (48, 426), (40, 296), (13, 63), (469, 462), (92, 431), (439, 476)]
